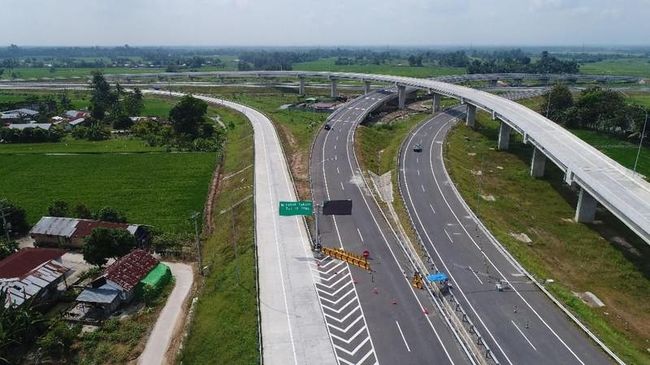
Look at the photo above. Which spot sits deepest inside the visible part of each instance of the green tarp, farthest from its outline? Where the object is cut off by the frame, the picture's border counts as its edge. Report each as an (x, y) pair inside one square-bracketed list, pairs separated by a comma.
[(157, 277)]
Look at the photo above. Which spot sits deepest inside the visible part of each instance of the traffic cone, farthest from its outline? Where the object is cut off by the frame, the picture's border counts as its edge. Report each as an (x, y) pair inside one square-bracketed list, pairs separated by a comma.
[(394, 301)]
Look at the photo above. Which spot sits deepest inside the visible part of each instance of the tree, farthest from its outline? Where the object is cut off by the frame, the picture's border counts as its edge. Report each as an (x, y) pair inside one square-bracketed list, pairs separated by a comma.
[(82, 211), (109, 214), (102, 98), (105, 243), (58, 208), (16, 218), (65, 102), (134, 103), (122, 122), (18, 327), (188, 116), (556, 102)]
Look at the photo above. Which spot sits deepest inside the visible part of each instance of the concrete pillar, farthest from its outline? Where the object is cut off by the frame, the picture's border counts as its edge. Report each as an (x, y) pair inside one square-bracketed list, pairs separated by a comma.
[(436, 103), (333, 92), (494, 115), (401, 95), (504, 137), (470, 118), (538, 163), (366, 87), (586, 209), (301, 89)]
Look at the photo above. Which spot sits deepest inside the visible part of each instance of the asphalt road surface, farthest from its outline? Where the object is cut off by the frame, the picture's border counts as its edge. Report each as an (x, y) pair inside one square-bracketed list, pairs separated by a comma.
[(400, 331), (521, 324)]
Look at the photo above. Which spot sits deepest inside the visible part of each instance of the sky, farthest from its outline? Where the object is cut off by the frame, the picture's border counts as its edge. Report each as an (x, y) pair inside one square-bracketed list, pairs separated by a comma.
[(324, 22)]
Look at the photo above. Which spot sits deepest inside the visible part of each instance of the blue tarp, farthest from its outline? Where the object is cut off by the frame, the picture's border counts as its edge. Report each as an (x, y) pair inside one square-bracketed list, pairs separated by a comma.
[(437, 277)]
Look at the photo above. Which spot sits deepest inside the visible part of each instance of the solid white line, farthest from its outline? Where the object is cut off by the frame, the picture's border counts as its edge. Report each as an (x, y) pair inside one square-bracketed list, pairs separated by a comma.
[(448, 236), (360, 235), (342, 187), (403, 338), (433, 210), (527, 340), (476, 276)]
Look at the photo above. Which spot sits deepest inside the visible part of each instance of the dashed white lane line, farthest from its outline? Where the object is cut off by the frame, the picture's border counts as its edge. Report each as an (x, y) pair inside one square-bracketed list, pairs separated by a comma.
[(338, 171), (526, 338), (360, 235), (403, 338), (433, 210), (418, 172), (448, 236), (422, 186), (476, 276), (342, 187)]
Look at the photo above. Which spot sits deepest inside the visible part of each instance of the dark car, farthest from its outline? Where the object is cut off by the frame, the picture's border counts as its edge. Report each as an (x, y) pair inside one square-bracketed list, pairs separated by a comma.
[(328, 127), (417, 147)]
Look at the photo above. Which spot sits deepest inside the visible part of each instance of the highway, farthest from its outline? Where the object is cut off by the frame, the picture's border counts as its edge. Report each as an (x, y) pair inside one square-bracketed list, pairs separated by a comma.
[(400, 332), (522, 325)]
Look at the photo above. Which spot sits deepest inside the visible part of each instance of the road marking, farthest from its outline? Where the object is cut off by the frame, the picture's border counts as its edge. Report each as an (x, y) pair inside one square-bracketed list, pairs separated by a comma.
[(337, 170), (334, 146), (337, 138), (418, 172), (526, 338), (417, 160), (335, 157), (342, 187), (403, 338), (422, 186), (433, 210), (360, 235), (448, 236), (476, 276)]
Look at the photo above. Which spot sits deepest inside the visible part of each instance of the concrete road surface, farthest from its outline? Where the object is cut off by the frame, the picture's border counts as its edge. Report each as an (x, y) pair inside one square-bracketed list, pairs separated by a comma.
[(155, 351)]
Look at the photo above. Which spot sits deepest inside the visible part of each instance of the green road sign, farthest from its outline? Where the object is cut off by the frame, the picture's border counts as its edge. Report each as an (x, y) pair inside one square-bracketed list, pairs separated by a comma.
[(304, 207)]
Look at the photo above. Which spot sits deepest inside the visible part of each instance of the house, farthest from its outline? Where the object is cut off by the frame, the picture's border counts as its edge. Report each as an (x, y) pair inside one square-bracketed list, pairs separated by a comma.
[(121, 282), (31, 124), (31, 274), (75, 123), (75, 114), (71, 232)]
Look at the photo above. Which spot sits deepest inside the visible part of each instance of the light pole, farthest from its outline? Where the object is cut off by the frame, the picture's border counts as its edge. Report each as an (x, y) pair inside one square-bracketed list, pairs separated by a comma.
[(638, 152)]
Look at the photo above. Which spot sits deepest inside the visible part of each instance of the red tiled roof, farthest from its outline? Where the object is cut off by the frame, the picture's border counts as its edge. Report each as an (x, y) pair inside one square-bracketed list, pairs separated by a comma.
[(130, 269), (26, 260), (85, 227)]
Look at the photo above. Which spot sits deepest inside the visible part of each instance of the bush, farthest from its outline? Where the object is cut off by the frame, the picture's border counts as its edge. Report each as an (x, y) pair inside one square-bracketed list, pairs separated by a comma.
[(122, 122), (82, 211), (7, 248), (95, 132), (110, 215), (30, 135), (58, 339), (58, 208)]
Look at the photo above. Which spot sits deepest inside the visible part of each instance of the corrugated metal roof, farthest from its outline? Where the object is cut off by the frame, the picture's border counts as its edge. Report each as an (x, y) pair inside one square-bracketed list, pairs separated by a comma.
[(130, 269), (97, 295), (19, 291), (77, 121), (55, 226), (27, 259), (21, 126)]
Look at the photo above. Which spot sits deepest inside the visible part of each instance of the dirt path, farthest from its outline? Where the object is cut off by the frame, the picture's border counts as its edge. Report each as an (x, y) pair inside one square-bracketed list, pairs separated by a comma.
[(170, 318)]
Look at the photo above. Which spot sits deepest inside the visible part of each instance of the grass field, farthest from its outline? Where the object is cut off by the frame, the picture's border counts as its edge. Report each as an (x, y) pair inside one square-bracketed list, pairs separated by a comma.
[(606, 259), (623, 66), (71, 145), (400, 68), (224, 328), (378, 144)]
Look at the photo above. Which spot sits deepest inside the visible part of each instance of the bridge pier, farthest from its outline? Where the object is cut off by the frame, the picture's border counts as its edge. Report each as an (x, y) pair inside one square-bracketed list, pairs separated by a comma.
[(366, 87), (401, 95), (435, 107), (470, 118), (504, 137), (301, 89), (586, 209), (538, 163), (333, 92)]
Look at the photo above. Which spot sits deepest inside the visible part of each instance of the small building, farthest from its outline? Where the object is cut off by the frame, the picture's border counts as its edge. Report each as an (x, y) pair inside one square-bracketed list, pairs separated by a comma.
[(31, 274), (71, 232), (75, 114), (128, 271), (77, 122)]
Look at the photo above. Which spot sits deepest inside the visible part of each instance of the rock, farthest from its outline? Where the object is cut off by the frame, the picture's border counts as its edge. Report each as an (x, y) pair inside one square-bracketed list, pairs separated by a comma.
[(489, 198), (521, 237)]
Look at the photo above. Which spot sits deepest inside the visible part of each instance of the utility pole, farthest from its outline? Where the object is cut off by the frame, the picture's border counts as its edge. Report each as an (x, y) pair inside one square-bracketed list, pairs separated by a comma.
[(638, 153), (195, 218)]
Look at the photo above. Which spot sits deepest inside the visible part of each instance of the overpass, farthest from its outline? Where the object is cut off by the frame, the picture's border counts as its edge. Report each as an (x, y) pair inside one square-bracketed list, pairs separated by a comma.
[(599, 178)]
